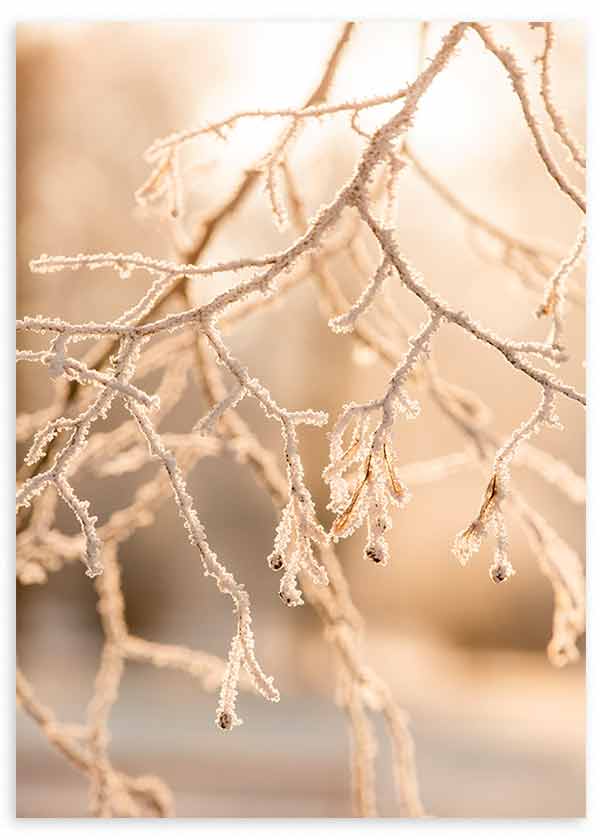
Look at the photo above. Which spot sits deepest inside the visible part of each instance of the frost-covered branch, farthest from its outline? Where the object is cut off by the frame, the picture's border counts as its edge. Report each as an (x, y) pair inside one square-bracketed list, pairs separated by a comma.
[(367, 470), (559, 124)]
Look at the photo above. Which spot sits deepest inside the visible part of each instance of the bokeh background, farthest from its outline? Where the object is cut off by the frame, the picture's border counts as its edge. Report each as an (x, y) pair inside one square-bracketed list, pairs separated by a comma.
[(499, 732)]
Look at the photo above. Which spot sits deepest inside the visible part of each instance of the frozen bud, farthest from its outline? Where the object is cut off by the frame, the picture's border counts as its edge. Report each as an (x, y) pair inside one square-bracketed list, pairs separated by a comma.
[(225, 721), (289, 600), (375, 553), (275, 561), (499, 572), (94, 570)]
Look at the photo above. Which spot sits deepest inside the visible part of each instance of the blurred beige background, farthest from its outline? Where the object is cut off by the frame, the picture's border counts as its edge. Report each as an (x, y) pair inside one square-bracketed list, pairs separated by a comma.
[(499, 732)]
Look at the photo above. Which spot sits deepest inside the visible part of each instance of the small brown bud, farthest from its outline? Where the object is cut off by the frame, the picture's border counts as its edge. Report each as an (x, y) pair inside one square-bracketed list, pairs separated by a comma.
[(275, 561), (224, 721), (499, 573), (373, 554)]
